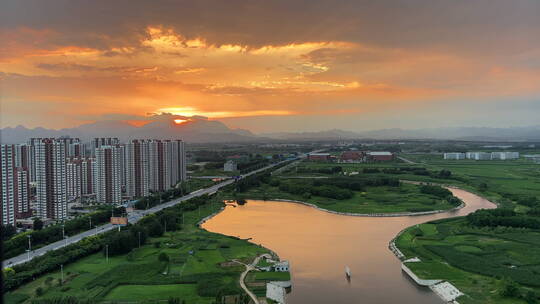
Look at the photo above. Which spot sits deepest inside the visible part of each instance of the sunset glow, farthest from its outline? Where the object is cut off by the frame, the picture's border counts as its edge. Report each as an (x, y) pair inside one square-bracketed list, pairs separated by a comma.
[(359, 64)]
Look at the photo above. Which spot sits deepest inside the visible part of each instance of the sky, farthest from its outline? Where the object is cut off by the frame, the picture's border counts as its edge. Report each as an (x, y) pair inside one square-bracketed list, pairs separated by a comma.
[(272, 66)]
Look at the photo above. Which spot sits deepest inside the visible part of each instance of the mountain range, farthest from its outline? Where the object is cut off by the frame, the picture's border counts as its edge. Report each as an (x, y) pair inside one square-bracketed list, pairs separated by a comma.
[(202, 130)]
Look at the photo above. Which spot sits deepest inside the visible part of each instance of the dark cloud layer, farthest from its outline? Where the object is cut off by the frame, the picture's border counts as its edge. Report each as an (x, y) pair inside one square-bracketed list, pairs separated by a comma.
[(489, 26)]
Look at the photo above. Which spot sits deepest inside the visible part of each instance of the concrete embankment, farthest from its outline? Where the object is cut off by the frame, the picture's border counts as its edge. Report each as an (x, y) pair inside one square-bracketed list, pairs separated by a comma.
[(418, 281)]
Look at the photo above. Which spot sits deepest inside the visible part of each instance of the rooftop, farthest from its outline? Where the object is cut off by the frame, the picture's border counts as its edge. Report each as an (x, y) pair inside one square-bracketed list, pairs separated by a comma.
[(380, 153)]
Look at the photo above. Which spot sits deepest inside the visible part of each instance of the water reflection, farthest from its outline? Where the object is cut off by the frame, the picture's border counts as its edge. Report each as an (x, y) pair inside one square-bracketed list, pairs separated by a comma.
[(320, 245)]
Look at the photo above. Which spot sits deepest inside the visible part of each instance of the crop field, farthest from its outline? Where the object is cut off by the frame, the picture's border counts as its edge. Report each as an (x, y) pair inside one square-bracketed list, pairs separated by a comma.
[(476, 260), (193, 272)]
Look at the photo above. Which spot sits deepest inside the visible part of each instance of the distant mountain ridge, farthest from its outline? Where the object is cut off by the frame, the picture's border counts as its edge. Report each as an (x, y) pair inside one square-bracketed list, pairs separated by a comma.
[(196, 130), (531, 133), (201, 130)]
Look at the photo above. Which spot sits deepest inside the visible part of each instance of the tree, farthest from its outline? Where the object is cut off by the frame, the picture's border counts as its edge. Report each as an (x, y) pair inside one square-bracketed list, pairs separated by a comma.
[(510, 289), (172, 300), (155, 229), (445, 173), (38, 223), (531, 297), (483, 187), (8, 231), (39, 291), (163, 257)]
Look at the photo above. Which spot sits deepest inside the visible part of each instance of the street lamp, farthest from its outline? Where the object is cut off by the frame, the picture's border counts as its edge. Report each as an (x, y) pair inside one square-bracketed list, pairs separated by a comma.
[(107, 253), (139, 239), (29, 246)]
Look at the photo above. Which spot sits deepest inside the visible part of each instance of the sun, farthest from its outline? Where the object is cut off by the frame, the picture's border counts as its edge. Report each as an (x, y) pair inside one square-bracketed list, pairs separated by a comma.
[(179, 121)]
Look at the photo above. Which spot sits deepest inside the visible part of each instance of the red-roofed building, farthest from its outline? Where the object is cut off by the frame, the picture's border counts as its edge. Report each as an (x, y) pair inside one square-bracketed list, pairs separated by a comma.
[(351, 157), (319, 156)]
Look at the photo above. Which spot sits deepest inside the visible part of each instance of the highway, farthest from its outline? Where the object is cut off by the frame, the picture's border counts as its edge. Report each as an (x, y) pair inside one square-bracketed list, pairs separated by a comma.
[(132, 218)]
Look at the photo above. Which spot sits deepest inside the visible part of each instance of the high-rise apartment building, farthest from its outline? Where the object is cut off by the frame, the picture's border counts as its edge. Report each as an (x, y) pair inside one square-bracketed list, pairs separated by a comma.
[(108, 177), (137, 168), (154, 165), (87, 176), (74, 178), (51, 183), (14, 190)]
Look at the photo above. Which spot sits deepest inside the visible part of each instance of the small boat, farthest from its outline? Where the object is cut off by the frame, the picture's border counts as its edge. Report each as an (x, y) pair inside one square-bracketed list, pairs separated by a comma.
[(347, 271)]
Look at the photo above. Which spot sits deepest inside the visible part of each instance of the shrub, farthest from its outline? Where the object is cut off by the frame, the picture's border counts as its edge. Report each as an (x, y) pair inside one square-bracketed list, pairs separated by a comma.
[(163, 257), (509, 289)]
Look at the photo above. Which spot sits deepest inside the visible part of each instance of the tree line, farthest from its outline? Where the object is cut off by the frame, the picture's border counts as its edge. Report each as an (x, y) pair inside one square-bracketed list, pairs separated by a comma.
[(40, 237), (503, 217)]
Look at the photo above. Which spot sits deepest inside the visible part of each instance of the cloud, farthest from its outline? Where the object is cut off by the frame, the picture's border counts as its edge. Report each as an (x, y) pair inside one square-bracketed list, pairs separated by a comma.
[(267, 58)]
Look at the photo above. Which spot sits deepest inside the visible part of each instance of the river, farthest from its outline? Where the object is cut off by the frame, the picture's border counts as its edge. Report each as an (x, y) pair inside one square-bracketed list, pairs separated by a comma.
[(319, 245)]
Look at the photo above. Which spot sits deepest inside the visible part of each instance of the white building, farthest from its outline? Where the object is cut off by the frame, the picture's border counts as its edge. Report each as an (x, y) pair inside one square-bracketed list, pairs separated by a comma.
[(230, 166), (454, 155), (50, 161), (282, 266), (14, 191), (478, 155), (504, 155), (108, 177)]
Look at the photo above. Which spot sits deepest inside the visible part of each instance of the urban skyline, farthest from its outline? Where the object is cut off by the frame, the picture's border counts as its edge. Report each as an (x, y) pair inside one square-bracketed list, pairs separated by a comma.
[(67, 170)]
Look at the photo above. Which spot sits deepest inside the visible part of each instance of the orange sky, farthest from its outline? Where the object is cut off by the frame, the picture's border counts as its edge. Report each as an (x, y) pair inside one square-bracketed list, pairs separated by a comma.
[(253, 67)]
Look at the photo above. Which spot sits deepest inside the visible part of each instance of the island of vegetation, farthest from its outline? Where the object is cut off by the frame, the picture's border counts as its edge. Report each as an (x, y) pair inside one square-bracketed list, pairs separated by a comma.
[(365, 193)]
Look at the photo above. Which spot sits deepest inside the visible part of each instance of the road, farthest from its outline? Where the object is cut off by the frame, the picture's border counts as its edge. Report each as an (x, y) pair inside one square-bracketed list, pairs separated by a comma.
[(209, 176), (407, 160), (249, 268), (132, 218)]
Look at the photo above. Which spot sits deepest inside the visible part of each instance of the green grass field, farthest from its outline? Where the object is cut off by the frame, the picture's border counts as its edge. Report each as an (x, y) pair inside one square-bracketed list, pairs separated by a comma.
[(195, 258), (186, 292), (512, 177), (474, 260)]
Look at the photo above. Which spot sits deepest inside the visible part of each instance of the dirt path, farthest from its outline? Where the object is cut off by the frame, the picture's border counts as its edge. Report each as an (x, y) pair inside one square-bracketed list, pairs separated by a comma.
[(249, 268)]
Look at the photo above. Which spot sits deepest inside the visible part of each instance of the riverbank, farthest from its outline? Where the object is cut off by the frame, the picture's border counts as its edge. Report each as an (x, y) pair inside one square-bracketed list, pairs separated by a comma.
[(473, 259)]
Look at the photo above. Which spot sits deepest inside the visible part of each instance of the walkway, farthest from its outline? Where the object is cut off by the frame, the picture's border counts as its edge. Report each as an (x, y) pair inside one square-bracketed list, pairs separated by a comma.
[(407, 160), (249, 268)]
